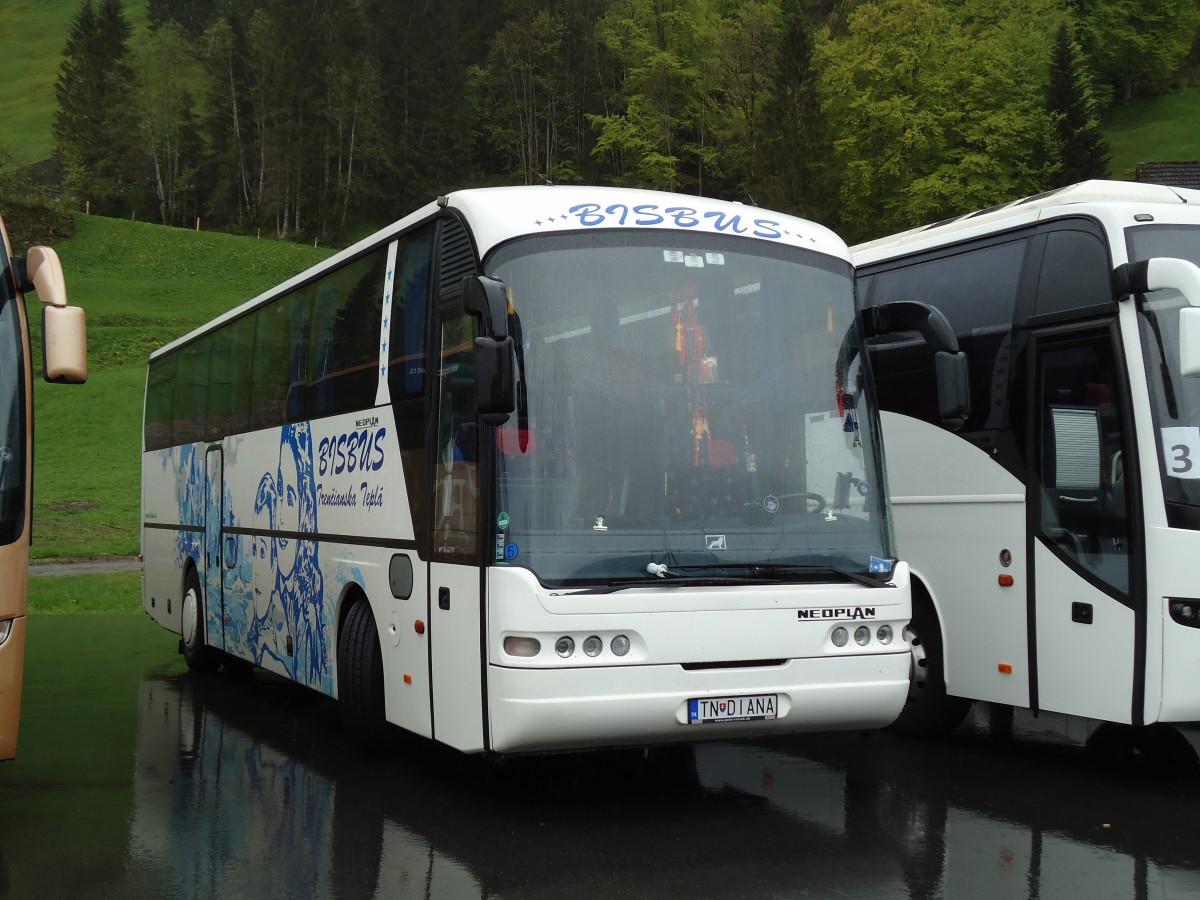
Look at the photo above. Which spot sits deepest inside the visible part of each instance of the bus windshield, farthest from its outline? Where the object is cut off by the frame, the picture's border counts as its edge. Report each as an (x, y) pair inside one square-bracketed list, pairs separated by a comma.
[(12, 415), (1174, 400), (681, 415)]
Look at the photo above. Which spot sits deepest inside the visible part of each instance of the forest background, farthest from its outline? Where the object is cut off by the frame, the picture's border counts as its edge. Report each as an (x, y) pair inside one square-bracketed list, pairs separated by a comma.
[(322, 119)]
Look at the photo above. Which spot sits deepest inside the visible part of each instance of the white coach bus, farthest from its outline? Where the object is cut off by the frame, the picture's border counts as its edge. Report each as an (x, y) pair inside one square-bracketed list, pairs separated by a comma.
[(1049, 509), (538, 468)]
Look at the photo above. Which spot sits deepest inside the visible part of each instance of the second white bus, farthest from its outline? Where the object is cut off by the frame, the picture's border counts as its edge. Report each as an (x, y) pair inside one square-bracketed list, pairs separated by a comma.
[(535, 469), (1049, 505)]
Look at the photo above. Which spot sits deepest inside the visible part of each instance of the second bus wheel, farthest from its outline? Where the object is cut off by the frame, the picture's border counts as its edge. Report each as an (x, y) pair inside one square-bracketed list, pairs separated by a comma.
[(360, 677), (196, 653), (929, 710)]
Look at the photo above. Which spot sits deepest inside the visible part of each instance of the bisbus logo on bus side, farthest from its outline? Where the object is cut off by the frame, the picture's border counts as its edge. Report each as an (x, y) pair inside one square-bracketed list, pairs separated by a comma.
[(841, 612), (353, 451)]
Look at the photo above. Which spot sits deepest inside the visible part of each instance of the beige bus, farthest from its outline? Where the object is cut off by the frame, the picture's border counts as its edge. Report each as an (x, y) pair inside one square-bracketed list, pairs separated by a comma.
[(65, 354)]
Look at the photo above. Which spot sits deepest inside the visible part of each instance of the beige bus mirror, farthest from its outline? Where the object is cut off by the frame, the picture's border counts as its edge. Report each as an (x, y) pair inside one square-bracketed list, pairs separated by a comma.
[(1189, 341), (64, 344)]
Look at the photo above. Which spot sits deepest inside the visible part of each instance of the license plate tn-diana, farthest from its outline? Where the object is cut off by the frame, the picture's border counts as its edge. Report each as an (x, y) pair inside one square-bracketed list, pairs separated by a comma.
[(710, 710)]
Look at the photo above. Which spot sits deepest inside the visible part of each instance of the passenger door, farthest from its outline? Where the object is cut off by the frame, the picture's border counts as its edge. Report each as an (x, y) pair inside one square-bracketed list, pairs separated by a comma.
[(214, 593), (1087, 618), (455, 596)]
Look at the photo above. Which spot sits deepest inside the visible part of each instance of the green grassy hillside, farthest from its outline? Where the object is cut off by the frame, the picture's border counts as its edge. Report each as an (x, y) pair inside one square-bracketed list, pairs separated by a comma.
[(32, 36), (141, 285), (1165, 129)]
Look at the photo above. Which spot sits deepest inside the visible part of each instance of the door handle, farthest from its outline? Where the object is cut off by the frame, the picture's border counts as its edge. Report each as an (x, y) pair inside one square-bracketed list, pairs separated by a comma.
[(443, 598)]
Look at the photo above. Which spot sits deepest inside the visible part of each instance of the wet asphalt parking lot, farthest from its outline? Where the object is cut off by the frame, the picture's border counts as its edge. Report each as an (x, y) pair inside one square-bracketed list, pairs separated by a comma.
[(135, 779)]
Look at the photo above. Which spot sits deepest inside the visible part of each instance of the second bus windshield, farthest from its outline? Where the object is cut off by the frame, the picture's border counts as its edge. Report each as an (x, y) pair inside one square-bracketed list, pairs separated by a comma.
[(681, 407)]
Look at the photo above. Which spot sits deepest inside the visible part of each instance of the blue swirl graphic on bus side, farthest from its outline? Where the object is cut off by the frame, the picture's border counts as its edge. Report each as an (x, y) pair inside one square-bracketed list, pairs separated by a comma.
[(189, 479)]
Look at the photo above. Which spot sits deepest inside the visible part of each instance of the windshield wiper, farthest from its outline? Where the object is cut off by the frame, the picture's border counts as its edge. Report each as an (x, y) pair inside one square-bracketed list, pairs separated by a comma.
[(754, 573), (775, 570), (672, 579)]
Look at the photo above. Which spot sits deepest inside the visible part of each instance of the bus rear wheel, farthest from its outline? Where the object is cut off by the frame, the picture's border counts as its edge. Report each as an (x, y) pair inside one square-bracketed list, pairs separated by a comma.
[(360, 677), (196, 653), (929, 711)]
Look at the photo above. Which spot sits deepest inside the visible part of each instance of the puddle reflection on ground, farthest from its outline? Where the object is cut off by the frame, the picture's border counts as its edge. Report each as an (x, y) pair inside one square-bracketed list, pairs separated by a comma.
[(137, 780)]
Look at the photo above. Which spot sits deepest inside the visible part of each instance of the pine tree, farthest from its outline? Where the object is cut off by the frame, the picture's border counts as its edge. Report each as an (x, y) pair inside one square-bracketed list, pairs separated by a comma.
[(1081, 150), (95, 131)]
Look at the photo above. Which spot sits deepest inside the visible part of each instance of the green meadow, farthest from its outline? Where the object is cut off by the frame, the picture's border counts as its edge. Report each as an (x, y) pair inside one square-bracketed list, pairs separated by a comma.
[(141, 285)]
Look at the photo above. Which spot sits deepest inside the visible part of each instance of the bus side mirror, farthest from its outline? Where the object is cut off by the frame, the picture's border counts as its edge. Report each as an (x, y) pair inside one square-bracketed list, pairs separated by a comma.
[(64, 344), (64, 328), (1189, 341), (953, 388), (485, 299), (495, 379)]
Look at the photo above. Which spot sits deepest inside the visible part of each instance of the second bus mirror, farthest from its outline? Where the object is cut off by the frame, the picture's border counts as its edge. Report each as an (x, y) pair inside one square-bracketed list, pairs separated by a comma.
[(495, 379), (1189, 341)]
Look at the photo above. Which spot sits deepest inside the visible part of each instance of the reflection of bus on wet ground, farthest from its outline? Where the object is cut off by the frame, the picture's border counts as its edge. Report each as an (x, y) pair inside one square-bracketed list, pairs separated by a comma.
[(539, 468), (64, 349), (253, 791), (1050, 505)]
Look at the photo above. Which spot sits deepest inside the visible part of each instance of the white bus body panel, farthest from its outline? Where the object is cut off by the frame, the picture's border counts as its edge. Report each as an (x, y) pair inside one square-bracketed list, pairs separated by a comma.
[(1084, 670), (955, 511), (544, 703), (1170, 564)]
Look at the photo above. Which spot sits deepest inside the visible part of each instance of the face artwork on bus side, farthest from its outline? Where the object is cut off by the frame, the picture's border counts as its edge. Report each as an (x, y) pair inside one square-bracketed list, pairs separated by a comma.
[(288, 626)]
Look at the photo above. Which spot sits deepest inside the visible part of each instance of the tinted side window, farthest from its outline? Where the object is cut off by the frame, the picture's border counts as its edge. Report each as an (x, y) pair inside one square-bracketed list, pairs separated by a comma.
[(191, 392), (272, 354), (160, 402), (345, 354), (411, 290), (976, 289), (229, 385), (1075, 273)]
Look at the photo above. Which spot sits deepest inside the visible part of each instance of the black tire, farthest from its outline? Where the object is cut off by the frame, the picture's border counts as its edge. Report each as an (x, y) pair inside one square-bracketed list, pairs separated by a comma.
[(929, 711), (196, 653), (360, 678)]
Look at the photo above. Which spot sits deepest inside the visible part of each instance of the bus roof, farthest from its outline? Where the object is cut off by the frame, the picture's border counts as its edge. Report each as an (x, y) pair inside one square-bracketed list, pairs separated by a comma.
[(1019, 212), (500, 214)]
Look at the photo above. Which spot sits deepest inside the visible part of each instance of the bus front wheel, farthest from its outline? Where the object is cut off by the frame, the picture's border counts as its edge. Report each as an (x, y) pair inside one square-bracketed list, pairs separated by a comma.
[(929, 711), (360, 677), (196, 653)]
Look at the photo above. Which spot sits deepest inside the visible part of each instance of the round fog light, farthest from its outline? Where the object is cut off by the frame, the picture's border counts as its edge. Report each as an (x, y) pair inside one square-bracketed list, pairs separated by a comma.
[(884, 634), (862, 635), (564, 646), (619, 645), (839, 637), (593, 645)]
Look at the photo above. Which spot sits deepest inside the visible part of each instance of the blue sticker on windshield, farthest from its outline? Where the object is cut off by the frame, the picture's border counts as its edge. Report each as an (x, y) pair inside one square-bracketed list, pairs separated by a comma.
[(511, 551), (880, 566)]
